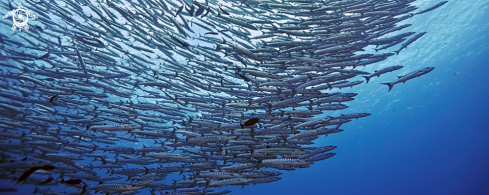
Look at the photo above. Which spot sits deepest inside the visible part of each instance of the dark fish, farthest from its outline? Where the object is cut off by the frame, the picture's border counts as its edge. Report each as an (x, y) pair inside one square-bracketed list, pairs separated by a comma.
[(47, 180), (211, 33), (244, 77), (208, 11), (99, 42), (54, 97), (179, 10), (179, 41), (223, 11), (44, 56), (200, 10), (191, 10), (10, 6), (47, 167), (71, 181), (38, 28), (26, 174), (7, 189), (250, 122), (80, 39)]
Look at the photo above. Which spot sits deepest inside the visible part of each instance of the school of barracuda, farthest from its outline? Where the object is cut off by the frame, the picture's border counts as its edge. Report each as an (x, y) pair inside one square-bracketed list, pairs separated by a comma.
[(217, 92)]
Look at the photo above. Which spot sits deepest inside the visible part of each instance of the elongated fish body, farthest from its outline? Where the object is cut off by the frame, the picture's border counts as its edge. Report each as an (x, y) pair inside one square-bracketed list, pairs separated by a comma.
[(207, 139), (223, 175), (411, 40), (377, 73), (23, 165), (179, 10), (239, 166), (224, 182), (116, 187), (409, 76), (318, 151), (80, 59), (143, 93), (265, 180), (352, 115), (433, 7), (166, 155), (321, 157), (117, 127), (313, 132), (285, 161), (281, 151)]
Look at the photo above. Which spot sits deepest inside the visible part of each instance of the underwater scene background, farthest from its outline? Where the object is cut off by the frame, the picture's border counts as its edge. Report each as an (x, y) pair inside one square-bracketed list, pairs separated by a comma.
[(178, 97)]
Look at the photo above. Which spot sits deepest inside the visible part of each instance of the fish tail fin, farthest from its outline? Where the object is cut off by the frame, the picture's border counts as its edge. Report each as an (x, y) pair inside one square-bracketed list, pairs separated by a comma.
[(397, 52), (207, 183), (84, 189), (242, 126), (366, 78), (146, 170), (388, 84)]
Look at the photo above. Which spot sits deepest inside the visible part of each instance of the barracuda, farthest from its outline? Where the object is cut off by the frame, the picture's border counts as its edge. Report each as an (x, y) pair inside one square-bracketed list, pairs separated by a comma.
[(207, 139), (285, 161), (227, 87), (224, 182), (116, 187), (116, 127), (281, 151)]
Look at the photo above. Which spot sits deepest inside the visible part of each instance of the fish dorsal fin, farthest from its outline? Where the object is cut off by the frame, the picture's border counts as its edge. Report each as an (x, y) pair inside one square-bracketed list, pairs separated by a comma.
[(376, 71)]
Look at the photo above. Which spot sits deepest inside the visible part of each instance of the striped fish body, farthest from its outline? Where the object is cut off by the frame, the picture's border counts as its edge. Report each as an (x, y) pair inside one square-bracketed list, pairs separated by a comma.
[(117, 127), (281, 151), (409, 76), (225, 182), (285, 161), (221, 175), (117, 187), (207, 139), (166, 155)]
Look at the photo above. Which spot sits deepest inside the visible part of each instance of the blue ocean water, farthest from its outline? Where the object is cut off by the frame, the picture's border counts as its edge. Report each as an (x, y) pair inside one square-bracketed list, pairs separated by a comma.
[(427, 136)]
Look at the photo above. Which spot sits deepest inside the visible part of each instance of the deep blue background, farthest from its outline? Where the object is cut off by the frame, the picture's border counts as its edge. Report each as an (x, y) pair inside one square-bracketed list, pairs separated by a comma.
[(432, 141), (429, 136), (438, 148)]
